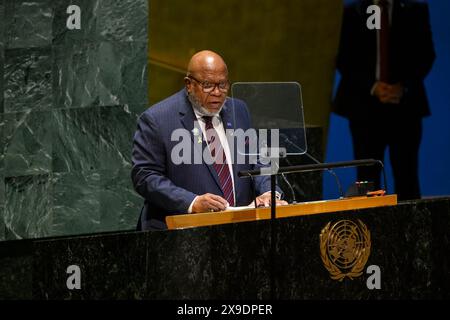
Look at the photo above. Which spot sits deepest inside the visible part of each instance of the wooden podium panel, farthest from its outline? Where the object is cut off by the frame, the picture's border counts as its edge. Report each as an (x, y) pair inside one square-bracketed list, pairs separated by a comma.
[(307, 208)]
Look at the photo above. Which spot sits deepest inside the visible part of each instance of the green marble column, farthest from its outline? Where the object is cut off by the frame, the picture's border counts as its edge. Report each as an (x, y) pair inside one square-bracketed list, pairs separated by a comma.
[(68, 110), (2, 172)]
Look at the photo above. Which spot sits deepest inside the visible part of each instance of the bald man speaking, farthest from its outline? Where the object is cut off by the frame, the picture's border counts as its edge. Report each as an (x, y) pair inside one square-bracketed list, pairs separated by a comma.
[(197, 174)]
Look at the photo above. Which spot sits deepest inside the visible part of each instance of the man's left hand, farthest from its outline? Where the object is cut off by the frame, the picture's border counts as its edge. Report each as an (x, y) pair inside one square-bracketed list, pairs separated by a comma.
[(264, 200)]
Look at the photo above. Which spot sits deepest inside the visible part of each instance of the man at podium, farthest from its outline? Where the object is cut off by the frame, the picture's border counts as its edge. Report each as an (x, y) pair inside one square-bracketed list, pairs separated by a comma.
[(203, 111)]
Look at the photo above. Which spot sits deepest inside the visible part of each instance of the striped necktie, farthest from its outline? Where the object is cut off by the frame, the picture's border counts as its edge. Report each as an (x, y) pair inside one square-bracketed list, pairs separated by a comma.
[(220, 161)]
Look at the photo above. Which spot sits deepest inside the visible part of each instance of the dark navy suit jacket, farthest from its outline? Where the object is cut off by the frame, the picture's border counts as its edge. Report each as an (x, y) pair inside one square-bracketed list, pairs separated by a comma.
[(170, 188)]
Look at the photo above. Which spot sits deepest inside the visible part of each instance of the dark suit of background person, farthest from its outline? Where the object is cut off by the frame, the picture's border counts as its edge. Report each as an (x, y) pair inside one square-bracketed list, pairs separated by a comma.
[(170, 188), (375, 125)]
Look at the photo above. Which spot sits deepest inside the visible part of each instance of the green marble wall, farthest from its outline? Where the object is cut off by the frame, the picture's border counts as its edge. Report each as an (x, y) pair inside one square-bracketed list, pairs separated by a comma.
[(2, 174), (68, 106)]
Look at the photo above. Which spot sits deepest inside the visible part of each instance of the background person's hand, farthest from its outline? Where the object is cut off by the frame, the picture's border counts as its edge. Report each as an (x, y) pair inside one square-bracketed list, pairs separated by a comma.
[(388, 93), (209, 202), (381, 91), (395, 93)]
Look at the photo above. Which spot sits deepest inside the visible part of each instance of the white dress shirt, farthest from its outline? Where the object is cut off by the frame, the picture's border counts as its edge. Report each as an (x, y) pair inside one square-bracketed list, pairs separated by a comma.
[(218, 126)]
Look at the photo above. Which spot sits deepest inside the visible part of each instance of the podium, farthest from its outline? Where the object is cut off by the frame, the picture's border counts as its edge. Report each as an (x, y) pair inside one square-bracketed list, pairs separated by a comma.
[(183, 221), (409, 244)]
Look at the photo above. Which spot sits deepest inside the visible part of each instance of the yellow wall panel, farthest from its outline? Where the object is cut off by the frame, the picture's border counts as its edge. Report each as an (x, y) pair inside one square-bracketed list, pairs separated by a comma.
[(268, 40)]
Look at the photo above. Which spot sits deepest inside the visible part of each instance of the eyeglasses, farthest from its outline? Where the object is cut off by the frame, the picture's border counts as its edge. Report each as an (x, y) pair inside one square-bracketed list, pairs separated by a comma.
[(209, 86)]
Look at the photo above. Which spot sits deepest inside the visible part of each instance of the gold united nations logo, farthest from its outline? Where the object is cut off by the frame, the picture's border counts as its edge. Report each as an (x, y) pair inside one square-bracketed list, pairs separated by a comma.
[(345, 248)]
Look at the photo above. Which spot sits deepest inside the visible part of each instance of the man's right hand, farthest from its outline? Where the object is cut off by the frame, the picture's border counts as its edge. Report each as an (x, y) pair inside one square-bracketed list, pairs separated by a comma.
[(209, 202), (381, 91), (388, 93)]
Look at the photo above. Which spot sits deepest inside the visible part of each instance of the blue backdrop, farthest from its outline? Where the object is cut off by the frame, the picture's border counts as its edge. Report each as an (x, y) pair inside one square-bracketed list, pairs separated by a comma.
[(434, 159)]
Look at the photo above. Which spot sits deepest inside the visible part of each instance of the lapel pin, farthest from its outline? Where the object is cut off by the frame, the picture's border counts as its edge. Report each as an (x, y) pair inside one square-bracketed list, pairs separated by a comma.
[(196, 133)]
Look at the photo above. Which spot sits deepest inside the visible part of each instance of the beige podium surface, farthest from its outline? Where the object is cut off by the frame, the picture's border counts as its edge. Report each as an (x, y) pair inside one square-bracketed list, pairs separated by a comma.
[(182, 221)]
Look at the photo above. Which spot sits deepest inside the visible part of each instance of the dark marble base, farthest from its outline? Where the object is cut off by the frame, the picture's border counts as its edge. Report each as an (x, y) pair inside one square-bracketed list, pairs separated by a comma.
[(410, 244), (16, 274)]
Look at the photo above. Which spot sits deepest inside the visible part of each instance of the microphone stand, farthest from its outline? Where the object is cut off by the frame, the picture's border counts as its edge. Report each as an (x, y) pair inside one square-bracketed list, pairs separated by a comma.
[(294, 199), (303, 151), (274, 154), (338, 183)]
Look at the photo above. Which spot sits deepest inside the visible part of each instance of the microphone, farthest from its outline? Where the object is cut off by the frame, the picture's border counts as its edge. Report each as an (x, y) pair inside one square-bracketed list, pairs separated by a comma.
[(294, 200), (286, 139)]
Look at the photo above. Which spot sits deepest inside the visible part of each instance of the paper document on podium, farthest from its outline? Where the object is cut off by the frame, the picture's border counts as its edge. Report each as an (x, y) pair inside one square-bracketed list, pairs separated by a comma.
[(251, 206)]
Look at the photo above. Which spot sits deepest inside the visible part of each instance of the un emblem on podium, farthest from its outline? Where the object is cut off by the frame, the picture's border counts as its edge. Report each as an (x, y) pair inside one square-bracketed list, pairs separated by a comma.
[(345, 248)]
